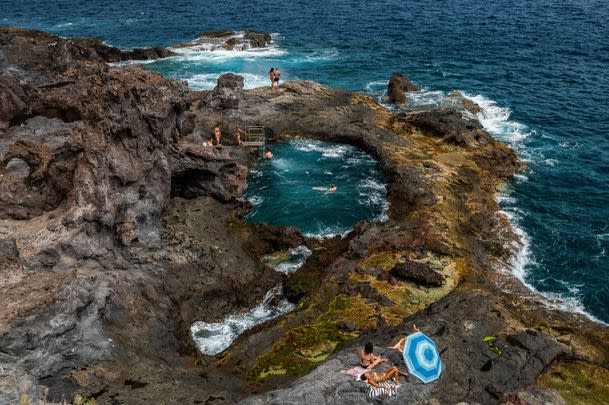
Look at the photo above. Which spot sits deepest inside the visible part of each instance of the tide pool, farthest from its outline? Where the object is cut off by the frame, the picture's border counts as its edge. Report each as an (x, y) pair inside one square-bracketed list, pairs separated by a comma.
[(282, 192)]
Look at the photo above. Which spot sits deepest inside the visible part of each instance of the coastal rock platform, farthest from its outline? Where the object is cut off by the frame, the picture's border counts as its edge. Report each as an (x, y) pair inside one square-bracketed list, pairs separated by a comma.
[(118, 231)]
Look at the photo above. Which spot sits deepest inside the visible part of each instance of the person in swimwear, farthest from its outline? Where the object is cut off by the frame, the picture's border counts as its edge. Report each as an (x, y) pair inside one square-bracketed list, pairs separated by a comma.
[(217, 133), (268, 154), (375, 377), (326, 189), (238, 133), (368, 360), (272, 77), (277, 76), (400, 344)]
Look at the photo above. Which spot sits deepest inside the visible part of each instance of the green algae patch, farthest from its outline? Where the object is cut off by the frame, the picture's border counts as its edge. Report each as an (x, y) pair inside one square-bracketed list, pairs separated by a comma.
[(578, 383), (384, 260), (299, 349), (408, 297)]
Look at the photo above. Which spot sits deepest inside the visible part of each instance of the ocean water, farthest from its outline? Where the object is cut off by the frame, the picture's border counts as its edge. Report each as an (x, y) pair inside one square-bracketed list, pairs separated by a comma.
[(539, 70), (214, 338), (282, 192)]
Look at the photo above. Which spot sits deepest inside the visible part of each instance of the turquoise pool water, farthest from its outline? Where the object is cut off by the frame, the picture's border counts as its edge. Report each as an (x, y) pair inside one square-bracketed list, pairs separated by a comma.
[(281, 189)]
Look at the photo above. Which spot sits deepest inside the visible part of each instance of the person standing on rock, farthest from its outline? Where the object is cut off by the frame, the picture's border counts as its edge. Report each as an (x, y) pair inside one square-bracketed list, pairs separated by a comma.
[(238, 133), (277, 76), (217, 134), (272, 77)]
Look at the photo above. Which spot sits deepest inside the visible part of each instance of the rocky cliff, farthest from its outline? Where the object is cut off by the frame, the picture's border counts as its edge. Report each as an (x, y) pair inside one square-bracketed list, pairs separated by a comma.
[(117, 232)]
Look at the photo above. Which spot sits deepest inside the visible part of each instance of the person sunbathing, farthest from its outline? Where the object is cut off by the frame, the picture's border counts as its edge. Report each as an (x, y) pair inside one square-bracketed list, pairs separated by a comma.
[(374, 378), (368, 360), (400, 344)]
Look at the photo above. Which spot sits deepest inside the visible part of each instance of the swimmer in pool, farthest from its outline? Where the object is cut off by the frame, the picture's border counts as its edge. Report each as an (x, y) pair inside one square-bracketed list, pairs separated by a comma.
[(326, 189)]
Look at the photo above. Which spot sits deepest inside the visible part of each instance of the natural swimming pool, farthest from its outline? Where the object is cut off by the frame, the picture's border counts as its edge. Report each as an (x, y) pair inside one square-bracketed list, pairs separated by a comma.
[(282, 192)]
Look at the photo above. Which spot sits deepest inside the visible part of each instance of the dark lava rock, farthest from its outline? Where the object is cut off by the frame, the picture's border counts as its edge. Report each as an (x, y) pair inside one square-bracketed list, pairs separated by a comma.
[(113, 54), (533, 395), (229, 40), (216, 34), (419, 273), (466, 103), (403, 82), (13, 100), (450, 126), (200, 171), (396, 87), (227, 93), (257, 39)]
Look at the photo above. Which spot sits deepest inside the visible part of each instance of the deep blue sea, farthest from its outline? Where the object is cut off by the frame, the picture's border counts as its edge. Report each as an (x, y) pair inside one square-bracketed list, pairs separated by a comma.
[(539, 69)]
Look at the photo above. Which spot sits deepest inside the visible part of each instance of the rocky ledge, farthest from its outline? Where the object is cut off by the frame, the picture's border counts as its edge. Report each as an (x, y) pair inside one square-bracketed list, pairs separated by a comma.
[(118, 231)]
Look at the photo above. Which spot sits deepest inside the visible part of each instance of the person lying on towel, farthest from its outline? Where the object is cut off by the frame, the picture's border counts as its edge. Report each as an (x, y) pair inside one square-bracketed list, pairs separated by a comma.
[(374, 377)]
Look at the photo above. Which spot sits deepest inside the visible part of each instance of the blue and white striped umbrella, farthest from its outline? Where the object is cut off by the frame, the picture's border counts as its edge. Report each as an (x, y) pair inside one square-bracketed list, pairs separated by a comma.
[(422, 357)]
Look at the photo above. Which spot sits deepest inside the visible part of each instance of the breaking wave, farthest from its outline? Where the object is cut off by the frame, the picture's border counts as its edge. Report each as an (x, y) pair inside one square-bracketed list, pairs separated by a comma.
[(214, 338)]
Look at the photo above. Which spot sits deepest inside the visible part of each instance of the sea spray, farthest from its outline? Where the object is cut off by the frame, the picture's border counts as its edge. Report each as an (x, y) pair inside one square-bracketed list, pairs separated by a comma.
[(214, 338)]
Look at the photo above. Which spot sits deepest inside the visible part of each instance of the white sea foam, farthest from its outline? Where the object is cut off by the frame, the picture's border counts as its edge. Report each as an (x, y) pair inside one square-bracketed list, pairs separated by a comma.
[(372, 193), (256, 200), (214, 338), (207, 81), (63, 25), (495, 120), (220, 55), (320, 56), (333, 151), (329, 232), (298, 257)]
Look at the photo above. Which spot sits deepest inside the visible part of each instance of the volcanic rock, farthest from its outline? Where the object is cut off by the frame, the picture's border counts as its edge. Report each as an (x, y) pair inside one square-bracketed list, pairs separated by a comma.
[(257, 39), (117, 232), (450, 126), (466, 103), (419, 273), (227, 93), (228, 40), (396, 87)]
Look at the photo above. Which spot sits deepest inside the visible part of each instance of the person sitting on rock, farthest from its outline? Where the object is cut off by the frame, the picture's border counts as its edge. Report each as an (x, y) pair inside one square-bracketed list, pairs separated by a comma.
[(368, 360), (374, 378), (217, 133), (400, 344)]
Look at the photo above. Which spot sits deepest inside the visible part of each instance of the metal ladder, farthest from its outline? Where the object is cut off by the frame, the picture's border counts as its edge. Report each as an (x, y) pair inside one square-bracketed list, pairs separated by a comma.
[(254, 136)]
